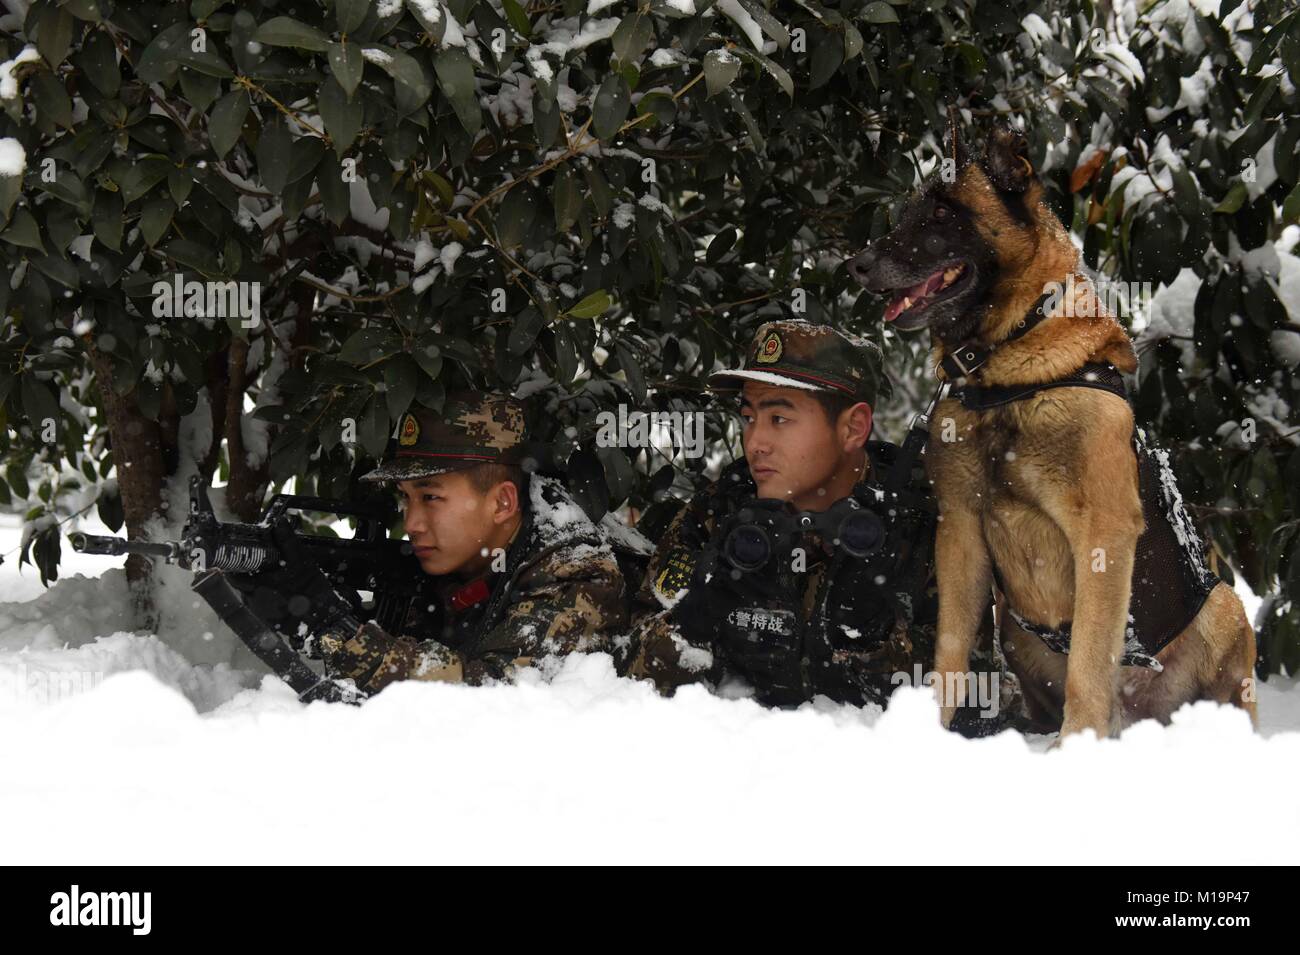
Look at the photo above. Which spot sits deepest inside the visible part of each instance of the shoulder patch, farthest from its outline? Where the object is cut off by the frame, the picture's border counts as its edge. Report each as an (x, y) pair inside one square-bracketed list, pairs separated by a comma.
[(676, 573)]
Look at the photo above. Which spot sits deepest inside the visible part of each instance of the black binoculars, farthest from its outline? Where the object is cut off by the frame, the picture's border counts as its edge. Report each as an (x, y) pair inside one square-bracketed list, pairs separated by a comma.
[(762, 530)]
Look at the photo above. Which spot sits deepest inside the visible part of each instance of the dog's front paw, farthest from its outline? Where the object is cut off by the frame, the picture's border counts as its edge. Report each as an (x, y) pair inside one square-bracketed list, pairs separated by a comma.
[(949, 692), (1100, 723)]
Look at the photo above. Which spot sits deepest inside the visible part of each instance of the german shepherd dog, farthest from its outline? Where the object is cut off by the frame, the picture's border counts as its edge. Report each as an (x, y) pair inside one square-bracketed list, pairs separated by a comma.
[(1040, 495)]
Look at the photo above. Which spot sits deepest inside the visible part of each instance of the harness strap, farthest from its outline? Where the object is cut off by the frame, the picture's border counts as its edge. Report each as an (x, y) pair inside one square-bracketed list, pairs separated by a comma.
[(1058, 640), (1097, 375), (981, 398)]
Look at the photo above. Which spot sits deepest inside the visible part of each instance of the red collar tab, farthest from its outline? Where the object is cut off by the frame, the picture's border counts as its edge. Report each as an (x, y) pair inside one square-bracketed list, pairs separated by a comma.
[(472, 593)]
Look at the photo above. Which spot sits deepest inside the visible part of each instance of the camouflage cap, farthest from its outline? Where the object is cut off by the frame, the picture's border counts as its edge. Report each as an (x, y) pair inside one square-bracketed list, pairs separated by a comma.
[(472, 428), (798, 354)]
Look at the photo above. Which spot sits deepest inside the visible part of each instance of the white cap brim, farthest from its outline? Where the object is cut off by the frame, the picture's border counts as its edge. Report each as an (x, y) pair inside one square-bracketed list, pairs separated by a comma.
[(718, 381)]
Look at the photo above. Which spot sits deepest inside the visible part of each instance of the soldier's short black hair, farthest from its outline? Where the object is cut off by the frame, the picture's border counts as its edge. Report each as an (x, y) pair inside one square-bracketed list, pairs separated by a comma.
[(834, 403), (484, 477)]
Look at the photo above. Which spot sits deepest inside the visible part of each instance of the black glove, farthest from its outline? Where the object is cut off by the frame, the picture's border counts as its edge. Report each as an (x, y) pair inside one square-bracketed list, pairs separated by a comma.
[(717, 584), (294, 593), (743, 595)]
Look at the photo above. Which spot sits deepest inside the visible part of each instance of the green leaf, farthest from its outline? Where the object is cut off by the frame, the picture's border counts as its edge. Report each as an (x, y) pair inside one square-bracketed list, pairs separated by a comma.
[(155, 218), (428, 355), (17, 476), (721, 67), (1186, 195), (719, 246), (372, 427), (11, 187), (597, 303), (1234, 199), (879, 12), (1263, 51), (39, 403), (200, 89), (456, 79), (347, 64), (631, 36), (342, 118), (369, 344), (611, 106), (350, 13), (57, 268), (158, 61), (286, 31), (195, 255), (23, 231), (273, 150), (54, 36), (769, 24), (518, 18), (587, 483), (401, 375), (826, 59), (525, 328), (1291, 207), (227, 121), (288, 454), (334, 193), (566, 198), (106, 219), (205, 62), (109, 506), (141, 177), (756, 139), (777, 71), (84, 9), (435, 26), (98, 60), (627, 360), (517, 213), (852, 41), (413, 87), (51, 98), (179, 184)]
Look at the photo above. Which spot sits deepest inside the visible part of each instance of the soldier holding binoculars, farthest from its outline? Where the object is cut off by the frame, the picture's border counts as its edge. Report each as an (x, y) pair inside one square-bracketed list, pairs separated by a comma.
[(803, 570)]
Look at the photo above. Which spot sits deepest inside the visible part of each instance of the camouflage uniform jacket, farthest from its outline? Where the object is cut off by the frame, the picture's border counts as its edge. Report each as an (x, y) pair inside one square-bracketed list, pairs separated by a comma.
[(560, 592), (861, 621)]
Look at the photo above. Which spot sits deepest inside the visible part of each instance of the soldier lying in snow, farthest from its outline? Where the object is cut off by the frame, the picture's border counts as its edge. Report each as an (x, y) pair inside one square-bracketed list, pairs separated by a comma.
[(522, 573)]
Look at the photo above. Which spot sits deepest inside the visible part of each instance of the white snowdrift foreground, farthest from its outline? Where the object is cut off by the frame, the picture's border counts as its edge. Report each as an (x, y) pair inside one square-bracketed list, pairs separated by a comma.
[(120, 749)]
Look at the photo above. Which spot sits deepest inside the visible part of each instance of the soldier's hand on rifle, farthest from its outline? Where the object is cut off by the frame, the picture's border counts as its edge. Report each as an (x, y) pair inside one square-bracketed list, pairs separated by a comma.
[(301, 592)]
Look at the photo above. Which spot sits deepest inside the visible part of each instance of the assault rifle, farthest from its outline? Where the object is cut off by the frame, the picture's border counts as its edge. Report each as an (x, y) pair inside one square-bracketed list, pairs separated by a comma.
[(368, 561)]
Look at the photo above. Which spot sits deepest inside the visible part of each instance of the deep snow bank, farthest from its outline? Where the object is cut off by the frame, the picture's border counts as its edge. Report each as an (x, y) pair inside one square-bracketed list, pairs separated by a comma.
[(124, 748), (594, 768)]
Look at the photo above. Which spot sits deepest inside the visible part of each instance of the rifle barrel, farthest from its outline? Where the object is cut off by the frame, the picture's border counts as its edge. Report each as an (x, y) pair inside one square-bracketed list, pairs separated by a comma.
[(112, 546)]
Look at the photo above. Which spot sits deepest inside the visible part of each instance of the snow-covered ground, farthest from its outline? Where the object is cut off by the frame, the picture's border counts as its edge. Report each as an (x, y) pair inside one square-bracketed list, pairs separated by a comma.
[(176, 748)]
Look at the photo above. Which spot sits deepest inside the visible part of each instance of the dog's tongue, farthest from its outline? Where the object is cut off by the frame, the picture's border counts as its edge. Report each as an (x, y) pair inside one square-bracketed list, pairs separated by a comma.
[(917, 292)]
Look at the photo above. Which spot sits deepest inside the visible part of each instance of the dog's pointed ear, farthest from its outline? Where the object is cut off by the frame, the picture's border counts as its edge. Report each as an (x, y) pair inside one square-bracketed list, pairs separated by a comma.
[(1006, 159), (954, 144)]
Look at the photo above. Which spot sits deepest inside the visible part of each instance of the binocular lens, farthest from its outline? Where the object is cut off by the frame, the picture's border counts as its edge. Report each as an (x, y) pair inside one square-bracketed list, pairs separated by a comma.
[(747, 547), (861, 533)]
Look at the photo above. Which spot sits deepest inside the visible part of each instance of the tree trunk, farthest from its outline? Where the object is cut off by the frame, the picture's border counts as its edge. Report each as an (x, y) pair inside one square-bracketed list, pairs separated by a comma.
[(218, 388), (247, 485), (137, 455)]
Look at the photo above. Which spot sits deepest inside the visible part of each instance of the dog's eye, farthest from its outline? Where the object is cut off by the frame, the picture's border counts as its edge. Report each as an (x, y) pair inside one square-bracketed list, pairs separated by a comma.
[(941, 211)]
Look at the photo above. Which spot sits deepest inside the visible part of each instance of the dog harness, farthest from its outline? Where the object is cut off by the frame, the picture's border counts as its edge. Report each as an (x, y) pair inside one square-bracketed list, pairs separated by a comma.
[(1171, 580)]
